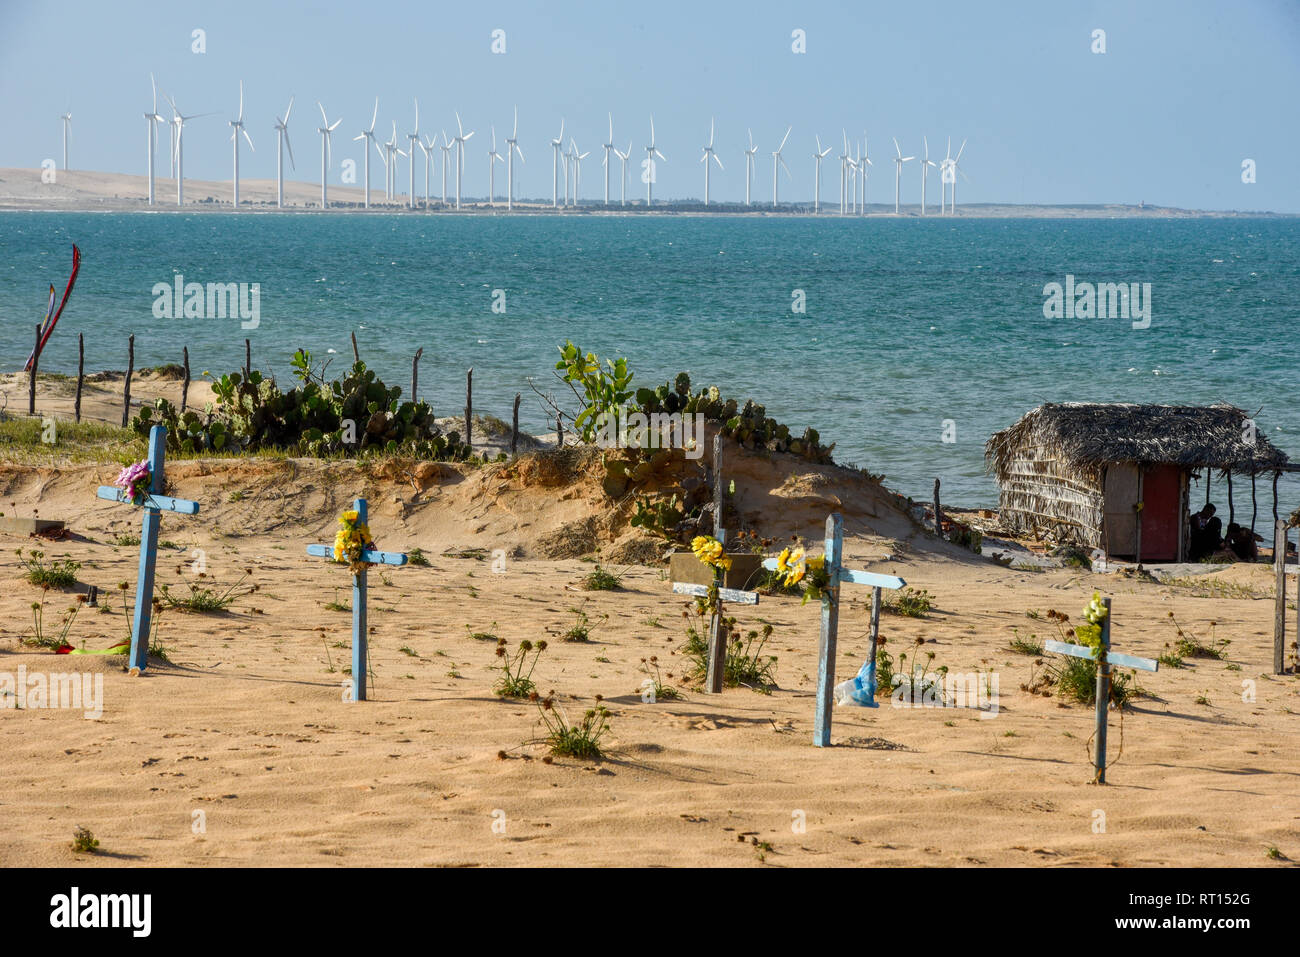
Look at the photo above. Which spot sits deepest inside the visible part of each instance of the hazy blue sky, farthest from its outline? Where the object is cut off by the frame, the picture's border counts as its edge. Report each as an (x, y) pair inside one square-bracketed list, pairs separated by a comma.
[(1185, 92)]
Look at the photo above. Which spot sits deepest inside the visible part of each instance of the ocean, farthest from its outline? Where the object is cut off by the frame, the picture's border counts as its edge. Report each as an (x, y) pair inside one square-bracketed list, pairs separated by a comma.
[(912, 332)]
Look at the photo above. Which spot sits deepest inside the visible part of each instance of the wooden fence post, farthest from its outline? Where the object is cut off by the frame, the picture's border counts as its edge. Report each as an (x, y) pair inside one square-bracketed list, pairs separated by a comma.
[(415, 373), (356, 355), (185, 383), (126, 388), (1279, 602), (1103, 697), (469, 407), (31, 380), (81, 374), (938, 513), (514, 428), (248, 359)]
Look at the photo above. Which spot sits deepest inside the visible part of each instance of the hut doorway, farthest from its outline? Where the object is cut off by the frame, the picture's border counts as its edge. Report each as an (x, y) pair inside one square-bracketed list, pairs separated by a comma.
[(1160, 490)]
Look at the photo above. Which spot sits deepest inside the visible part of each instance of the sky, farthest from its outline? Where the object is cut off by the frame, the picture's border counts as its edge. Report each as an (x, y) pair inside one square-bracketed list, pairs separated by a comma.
[(1184, 94)]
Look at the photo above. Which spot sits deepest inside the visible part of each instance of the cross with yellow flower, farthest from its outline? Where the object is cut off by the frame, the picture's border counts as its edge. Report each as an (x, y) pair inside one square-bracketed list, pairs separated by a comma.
[(354, 546)]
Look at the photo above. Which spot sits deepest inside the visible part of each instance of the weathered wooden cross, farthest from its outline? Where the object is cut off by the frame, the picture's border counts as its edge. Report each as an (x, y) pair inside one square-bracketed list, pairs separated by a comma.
[(1281, 570), (359, 586), (153, 505), (839, 575), (1104, 658)]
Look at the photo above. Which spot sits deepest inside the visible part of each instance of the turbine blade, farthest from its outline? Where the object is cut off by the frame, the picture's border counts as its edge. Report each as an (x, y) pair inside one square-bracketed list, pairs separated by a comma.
[(290, 146), (288, 111)]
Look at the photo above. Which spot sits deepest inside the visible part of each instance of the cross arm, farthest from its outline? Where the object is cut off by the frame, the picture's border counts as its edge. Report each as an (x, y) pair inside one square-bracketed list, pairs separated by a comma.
[(724, 594), (369, 555), (164, 503), (855, 577), (1115, 658)]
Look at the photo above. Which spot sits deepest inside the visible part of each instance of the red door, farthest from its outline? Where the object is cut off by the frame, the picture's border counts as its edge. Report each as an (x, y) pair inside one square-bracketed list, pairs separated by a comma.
[(1161, 513)]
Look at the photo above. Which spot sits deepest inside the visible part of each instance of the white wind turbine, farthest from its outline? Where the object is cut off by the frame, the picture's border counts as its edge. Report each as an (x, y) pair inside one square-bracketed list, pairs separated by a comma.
[(863, 172), (557, 145), (607, 147), (624, 158), (953, 170), (493, 158), (818, 156), (709, 152), (461, 139), (415, 141), (778, 161), (325, 159), (282, 130), (925, 171), (749, 164), (846, 161), (67, 125), (446, 148), (237, 127), (512, 147), (651, 152), (152, 119), (369, 137), (178, 154), (899, 160), (428, 148), (577, 168), (389, 156)]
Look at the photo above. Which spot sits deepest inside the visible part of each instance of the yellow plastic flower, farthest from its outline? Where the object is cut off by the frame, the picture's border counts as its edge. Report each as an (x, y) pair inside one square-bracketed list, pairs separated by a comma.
[(710, 551), (783, 561)]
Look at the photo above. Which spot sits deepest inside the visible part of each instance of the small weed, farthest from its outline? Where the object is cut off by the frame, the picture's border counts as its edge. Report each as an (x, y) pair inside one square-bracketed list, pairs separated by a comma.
[(337, 605), (482, 635), (582, 626), (417, 557), (911, 602), (654, 684), (1026, 646), (601, 580), (409, 651), (83, 842), (59, 573), (515, 681), (127, 541), (206, 600), (579, 740)]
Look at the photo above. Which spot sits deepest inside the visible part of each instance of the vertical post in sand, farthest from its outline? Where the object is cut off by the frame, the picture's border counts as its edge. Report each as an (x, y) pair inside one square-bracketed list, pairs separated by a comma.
[(185, 382), (717, 669), (875, 631), (1279, 602), (248, 359), (126, 388), (1232, 512), (514, 428), (81, 375), (559, 431), (31, 380), (1254, 505), (718, 531), (828, 639), (1276, 476), (415, 374), (356, 355), (938, 511), (469, 407), (1103, 697)]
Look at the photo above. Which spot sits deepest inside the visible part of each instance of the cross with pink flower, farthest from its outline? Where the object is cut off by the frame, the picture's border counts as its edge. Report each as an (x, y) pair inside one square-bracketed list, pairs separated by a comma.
[(140, 484)]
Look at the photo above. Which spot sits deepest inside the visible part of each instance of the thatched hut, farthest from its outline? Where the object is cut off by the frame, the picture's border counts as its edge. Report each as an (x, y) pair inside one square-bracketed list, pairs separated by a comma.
[(1078, 472)]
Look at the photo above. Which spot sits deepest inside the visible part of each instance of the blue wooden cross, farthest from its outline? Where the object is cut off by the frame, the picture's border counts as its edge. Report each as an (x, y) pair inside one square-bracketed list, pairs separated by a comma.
[(359, 630), (1104, 658), (839, 575), (153, 505)]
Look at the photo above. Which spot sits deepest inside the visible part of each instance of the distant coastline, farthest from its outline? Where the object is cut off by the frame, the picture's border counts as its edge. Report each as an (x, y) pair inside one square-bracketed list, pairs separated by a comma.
[(81, 191)]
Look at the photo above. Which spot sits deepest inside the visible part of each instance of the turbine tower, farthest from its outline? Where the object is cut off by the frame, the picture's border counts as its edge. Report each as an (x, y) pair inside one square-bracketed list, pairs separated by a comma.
[(446, 148), (152, 119), (778, 161), (818, 156), (607, 147), (709, 152), (493, 158), (326, 160), (651, 152), (577, 168), (925, 171), (557, 145), (415, 141), (954, 169), (428, 147), (237, 127), (899, 160), (512, 147), (178, 154), (67, 124), (369, 137), (461, 139), (863, 172), (749, 164), (282, 130), (624, 156), (845, 161)]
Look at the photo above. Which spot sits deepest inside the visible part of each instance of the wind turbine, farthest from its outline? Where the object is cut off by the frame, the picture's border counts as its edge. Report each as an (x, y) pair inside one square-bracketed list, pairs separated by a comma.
[(709, 152), (512, 147), (777, 160), (749, 164), (67, 123), (846, 160), (955, 169), (325, 157), (571, 167), (899, 160), (282, 129), (237, 127), (493, 158), (178, 154), (863, 172), (818, 156), (651, 152), (369, 137), (427, 148), (925, 171), (152, 119), (446, 148), (607, 147), (557, 145), (624, 157), (461, 139), (415, 141), (391, 152)]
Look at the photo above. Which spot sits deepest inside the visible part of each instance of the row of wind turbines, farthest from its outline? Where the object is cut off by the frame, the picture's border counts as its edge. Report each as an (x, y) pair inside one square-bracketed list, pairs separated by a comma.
[(567, 160)]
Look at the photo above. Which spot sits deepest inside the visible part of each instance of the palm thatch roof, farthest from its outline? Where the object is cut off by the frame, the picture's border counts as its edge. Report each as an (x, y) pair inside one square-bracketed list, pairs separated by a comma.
[(1092, 434)]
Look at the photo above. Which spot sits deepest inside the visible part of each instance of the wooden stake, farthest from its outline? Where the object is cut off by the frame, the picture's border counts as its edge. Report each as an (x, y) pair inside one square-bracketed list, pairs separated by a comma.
[(248, 359), (559, 431), (415, 374), (81, 374), (31, 380), (514, 428), (469, 407), (1279, 602), (1276, 476), (717, 670), (185, 383), (1103, 697), (718, 505), (126, 387), (938, 513), (356, 356), (1254, 505)]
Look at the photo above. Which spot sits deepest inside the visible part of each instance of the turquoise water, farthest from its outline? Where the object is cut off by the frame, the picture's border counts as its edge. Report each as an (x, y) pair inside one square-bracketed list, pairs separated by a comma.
[(908, 322)]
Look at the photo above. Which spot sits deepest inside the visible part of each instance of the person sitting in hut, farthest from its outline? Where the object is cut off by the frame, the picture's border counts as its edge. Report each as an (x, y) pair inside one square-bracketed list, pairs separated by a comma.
[(1242, 542), (1206, 536)]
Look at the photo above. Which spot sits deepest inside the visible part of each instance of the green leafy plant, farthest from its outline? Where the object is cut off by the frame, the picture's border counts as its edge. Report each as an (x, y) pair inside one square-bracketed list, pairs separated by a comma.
[(59, 573), (84, 842), (654, 678), (482, 635), (417, 557), (582, 626), (1026, 646), (52, 640), (516, 679), (910, 602), (578, 740), (601, 388), (602, 580), (207, 599)]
